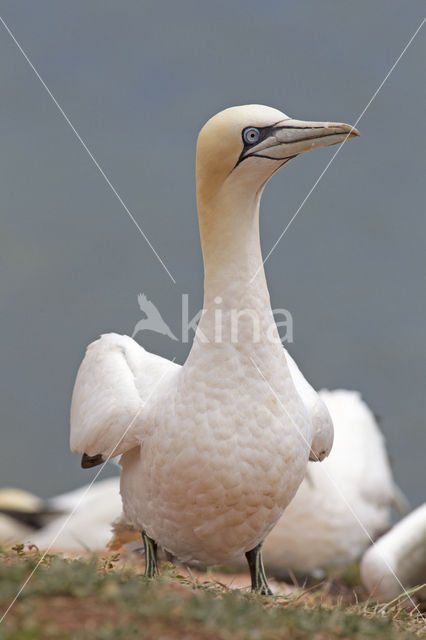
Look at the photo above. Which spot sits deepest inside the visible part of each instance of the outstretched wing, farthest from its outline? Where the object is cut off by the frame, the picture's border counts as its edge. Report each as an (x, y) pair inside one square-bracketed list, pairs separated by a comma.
[(322, 440), (114, 381)]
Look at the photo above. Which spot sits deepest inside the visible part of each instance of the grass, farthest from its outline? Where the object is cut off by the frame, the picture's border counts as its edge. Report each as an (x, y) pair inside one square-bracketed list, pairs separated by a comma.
[(108, 599)]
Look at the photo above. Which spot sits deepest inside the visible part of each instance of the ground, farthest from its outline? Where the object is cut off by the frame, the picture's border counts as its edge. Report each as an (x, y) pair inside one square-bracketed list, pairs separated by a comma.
[(107, 599)]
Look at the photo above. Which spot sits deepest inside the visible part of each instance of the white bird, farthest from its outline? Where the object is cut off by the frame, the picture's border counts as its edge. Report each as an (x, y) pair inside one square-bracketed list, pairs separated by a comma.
[(397, 561), (340, 506), (213, 451), (86, 521), (153, 321), (343, 503)]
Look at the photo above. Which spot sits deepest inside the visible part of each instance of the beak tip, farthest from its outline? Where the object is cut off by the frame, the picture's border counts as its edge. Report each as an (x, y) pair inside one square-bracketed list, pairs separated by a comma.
[(352, 131)]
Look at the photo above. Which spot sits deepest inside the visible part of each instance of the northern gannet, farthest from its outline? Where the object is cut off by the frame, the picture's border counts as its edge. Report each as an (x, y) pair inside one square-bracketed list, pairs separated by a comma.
[(339, 507), (397, 561), (213, 451)]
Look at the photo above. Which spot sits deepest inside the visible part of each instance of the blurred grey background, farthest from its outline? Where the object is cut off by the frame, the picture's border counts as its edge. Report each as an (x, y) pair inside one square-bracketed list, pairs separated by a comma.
[(138, 79)]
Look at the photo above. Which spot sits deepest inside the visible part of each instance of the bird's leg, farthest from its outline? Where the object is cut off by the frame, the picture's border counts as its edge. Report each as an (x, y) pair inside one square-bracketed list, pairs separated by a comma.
[(259, 583), (150, 546)]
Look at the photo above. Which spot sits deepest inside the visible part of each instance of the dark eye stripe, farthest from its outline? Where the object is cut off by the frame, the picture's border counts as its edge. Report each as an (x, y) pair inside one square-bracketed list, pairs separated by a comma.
[(265, 132)]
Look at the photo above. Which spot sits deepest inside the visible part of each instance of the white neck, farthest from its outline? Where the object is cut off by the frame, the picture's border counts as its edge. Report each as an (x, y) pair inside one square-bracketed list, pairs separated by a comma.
[(229, 230), (234, 281)]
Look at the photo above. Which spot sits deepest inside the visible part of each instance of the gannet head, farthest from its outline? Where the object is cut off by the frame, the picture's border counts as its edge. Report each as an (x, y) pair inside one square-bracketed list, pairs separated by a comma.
[(244, 146), (17, 500)]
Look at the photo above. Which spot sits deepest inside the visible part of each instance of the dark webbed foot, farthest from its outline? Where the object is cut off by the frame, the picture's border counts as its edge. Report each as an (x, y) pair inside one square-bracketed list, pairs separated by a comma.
[(259, 583), (151, 568)]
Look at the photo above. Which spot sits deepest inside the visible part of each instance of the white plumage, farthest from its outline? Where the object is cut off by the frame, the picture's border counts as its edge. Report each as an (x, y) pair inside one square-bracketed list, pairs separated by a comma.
[(318, 530), (217, 487), (341, 503), (90, 526), (11, 530), (93, 510), (113, 384), (398, 560), (216, 449)]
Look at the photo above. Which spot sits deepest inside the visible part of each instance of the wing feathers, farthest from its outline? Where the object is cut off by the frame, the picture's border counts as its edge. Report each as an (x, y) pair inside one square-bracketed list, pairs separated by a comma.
[(114, 380), (87, 462), (322, 440)]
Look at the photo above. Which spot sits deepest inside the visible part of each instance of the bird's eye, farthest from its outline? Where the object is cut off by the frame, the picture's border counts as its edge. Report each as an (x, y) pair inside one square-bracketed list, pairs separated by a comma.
[(251, 135)]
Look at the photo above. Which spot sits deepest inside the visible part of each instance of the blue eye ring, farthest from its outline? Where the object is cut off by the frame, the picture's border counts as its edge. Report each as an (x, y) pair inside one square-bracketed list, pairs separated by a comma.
[(251, 135)]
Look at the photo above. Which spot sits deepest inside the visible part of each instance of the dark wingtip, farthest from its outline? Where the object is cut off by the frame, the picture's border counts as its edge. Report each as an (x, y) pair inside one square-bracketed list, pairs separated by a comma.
[(87, 462)]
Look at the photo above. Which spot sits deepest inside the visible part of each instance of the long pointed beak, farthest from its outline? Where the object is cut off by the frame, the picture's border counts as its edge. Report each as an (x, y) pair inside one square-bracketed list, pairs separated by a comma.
[(289, 138)]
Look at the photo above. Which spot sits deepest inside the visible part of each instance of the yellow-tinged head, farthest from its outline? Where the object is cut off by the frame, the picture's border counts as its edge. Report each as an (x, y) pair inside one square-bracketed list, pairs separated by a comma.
[(245, 145)]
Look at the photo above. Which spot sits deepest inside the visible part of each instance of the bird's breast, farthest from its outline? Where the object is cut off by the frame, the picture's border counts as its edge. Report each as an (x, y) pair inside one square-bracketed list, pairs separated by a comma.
[(223, 458)]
